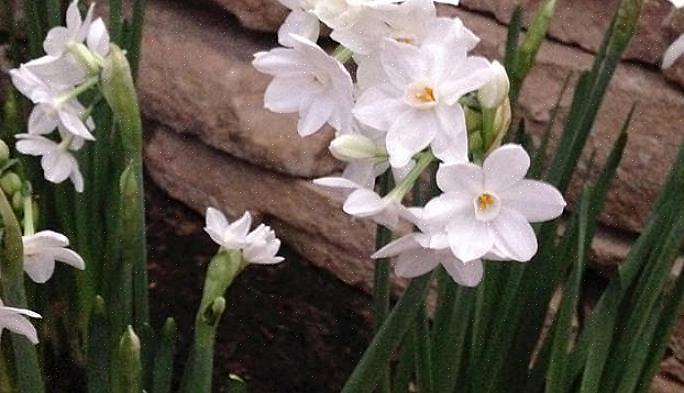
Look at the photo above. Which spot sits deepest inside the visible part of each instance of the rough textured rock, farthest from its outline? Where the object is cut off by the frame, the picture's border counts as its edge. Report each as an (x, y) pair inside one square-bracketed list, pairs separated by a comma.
[(261, 15), (198, 79)]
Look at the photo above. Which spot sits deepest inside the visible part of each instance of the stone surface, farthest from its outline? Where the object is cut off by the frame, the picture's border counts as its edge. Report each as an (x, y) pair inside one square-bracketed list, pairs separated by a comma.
[(198, 79), (261, 15)]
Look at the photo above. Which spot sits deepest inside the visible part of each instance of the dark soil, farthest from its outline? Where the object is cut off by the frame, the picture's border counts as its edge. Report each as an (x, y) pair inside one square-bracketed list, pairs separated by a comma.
[(289, 328)]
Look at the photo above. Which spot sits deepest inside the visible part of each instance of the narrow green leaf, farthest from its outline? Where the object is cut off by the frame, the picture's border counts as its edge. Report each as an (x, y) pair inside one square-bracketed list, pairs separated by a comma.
[(513, 39), (404, 370), (378, 354), (135, 34), (163, 360), (130, 365), (422, 352), (98, 369)]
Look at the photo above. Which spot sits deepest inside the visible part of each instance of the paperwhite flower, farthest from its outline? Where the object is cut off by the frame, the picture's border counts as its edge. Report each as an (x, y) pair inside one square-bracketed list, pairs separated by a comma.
[(259, 246), (490, 208), (301, 21), (262, 246), (59, 38), (57, 159), (308, 81), (15, 320), (419, 105), (42, 249), (420, 252), (54, 105)]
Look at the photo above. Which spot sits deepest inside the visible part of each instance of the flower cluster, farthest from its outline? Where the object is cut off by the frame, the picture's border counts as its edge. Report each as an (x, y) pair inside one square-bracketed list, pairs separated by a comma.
[(258, 246), (71, 66), (418, 97)]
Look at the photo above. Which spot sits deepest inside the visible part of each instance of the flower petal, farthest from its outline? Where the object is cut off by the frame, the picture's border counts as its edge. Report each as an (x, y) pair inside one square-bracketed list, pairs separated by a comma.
[(57, 166), (301, 23), (467, 178), (363, 203), (98, 38), (673, 52), (451, 142), (40, 267), (415, 263), (504, 167), (536, 201), (70, 257), (278, 96), (42, 120), (314, 116), (468, 274), (396, 247), (56, 40), (470, 75), (513, 236), (411, 132), (443, 208), (379, 107), (45, 239), (34, 145), (402, 63), (469, 238), (19, 325), (71, 120), (239, 228)]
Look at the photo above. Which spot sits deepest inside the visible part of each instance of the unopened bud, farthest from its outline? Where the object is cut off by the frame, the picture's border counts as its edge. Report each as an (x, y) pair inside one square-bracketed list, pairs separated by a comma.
[(10, 183), (18, 202), (496, 91), (4, 152), (351, 147)]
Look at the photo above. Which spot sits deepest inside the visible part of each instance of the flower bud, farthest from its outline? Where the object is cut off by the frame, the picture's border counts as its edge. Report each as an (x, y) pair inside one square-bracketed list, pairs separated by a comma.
[(4, 152), (351, 147), (10, 183), (496, 91), (18, 202)]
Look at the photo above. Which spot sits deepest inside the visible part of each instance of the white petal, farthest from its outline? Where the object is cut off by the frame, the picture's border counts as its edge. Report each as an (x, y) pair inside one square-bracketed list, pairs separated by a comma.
[(60, 73), (18, 325), (442, 208), (379, 107), (415, 263), (301, 23), (363, 203), (468, 178), (336, 182), (467, 274), (281, 61), (45, 239), (56, 40), (411, 132), (314, 116), (513, 236), (34, 145), (469, 238), (77, 179), (402, 63), (69, 257), (674, 52), (398, 246), (84, 26), (73, 18), (20, 311), (215, 220), (451, 143), (469, 75), (98, 38), (240, 228), (535, 200), (72, 122), (42, 120), (57, 166), (39, 267), (505, 166), (278, 96)]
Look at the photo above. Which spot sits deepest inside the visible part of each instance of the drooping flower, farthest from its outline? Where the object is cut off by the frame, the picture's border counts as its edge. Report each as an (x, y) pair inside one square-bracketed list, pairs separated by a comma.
[(42, 250), (57, 160), (490, 208), (323, 86), (421, 252), (55, 105), (258, 246), (418, 106), (15, 320)]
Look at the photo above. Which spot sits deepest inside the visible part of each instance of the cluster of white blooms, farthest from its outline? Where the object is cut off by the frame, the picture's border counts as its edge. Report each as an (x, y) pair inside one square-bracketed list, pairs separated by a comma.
[(407, 105), (71, 66), (259, 246), (676, 50)]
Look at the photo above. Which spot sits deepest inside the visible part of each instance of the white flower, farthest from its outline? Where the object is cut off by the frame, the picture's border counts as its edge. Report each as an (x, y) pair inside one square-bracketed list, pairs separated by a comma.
[(420, 252), (15, 320), (57, 160), (262, 246), (308, 81), (229, 236), (493, 94), (259, 246), (42, 249), (54, 105), (490, 208), (60, 38), (419, 107), (301, 21)]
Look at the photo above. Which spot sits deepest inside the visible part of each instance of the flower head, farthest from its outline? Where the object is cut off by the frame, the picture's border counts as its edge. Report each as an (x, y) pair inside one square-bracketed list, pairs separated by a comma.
[(489, 209), (42, 250), (323, 86), (57, 159), (258, 246), (15, 320)]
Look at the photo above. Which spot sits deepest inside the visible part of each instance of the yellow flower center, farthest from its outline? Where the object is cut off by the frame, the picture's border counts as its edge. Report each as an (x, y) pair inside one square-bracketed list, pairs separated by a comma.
[(485, 201), (426, 95)]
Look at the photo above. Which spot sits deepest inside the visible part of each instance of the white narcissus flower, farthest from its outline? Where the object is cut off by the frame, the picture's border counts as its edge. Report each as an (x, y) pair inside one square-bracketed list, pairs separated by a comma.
[(57, 159), (42, 249), (301, 21), (59, 38), (54, 106), (490, 208), (419, 105), (309, 81), (15, 320), (258, 246)]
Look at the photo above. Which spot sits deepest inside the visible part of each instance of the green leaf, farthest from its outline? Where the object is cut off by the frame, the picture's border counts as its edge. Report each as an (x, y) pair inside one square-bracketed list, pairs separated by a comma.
[(422, 352), (130, 365), (98, 369), (163, 360)]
